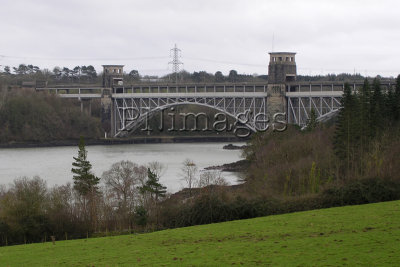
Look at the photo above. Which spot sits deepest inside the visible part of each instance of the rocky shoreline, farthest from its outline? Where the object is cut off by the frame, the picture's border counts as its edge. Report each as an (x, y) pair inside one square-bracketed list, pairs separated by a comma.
[(233, 147), (238, 166)]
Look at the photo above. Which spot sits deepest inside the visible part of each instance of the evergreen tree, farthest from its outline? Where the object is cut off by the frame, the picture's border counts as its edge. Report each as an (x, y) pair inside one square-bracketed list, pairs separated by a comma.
[(7, 70), (156, 190), (346, 131), (396, 100), (85, 181), (141, 216), (390, 104), (377, 109), (363, 114), (312, 122), (153, 186)]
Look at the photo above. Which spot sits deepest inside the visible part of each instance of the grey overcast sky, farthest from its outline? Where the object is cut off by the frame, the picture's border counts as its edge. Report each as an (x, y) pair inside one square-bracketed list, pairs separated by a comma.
[(328, 36)]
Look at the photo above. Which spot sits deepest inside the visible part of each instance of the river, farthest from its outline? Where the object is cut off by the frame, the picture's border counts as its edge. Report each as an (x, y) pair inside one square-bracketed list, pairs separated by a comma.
[(53, 164)]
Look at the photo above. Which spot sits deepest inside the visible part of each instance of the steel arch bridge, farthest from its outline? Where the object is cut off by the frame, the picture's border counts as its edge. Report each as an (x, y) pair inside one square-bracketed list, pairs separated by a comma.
[(232, 99), (325, 104), (131, 110), (322, 97)]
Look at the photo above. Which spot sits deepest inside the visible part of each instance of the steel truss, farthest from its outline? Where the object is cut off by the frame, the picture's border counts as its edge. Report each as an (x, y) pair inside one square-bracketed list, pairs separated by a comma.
[(299, 108), (131, 112)]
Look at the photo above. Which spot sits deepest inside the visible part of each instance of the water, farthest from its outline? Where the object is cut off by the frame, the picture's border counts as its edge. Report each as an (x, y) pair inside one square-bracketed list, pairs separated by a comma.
[(53, 164)]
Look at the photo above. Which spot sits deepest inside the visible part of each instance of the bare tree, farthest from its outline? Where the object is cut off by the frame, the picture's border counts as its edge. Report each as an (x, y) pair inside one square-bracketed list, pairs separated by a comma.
[(121, 180), (213, 177), (189, 172), (3, 97), (24, 207), (61, 208), (157, 168)]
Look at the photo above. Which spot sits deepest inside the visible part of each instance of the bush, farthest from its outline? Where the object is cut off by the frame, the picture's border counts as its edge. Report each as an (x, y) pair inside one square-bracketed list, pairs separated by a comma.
[(361, 191), (215, 207), (290, 163)]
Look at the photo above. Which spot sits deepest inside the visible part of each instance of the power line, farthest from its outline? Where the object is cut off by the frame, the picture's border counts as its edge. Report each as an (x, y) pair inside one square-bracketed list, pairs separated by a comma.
[(226, 62), (84, 58), (176, 54)]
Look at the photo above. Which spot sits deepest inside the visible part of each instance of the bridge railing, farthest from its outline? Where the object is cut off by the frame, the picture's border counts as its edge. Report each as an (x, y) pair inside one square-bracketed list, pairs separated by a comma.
[(191, 88), (74, 92), (313, 88), (321, 86)]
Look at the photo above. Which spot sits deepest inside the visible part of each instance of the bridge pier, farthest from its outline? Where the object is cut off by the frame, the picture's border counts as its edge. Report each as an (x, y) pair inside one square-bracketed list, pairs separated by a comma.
[(107, 111), (88, 106), (112, 117), (281, 70), (276, 100)]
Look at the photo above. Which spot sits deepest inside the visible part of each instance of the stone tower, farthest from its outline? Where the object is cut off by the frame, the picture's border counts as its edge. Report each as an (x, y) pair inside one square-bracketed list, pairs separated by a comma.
[(282, 67), (281, 70), (113, 75)]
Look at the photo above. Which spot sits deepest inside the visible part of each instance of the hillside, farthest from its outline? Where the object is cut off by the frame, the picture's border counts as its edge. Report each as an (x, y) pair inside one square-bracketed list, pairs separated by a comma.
[(352, 235)]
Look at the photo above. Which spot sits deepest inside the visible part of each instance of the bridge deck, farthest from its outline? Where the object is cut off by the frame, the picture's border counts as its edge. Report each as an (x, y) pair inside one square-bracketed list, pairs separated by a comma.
[(189, 95), (315, 94), (80, 96), (256, 89)]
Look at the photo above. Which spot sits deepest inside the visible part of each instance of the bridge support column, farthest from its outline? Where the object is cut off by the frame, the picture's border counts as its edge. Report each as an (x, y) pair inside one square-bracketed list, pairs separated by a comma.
[(107, 111), (276, 100), (113, 130), (89, 106)]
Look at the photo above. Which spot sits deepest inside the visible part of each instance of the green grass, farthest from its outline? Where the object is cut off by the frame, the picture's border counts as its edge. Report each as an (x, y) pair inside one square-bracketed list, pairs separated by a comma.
[(366, 235)]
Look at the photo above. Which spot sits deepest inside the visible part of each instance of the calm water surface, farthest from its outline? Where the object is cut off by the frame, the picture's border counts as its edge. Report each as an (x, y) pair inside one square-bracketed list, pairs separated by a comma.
[(53, 164)]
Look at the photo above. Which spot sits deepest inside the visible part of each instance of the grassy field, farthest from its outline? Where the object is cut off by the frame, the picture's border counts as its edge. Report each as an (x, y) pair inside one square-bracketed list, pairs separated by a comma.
[(366, 235)]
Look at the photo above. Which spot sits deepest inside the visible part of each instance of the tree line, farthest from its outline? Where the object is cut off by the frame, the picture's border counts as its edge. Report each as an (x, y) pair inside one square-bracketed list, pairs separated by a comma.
[(88, 74), (27, 116), (368, 121), (360, 143), (126, 198), (125, 201), (348, 161), (77, 74)]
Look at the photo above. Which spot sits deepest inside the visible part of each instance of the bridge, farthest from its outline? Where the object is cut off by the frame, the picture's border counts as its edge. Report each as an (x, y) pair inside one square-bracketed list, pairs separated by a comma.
[(128, 106)]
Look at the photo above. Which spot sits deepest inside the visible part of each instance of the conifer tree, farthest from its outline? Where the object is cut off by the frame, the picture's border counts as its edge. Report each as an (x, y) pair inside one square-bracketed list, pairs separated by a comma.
[(312, 122), (345, 134), (377, 109), (390, 103), (156, 190), (153, 186), (363, 115), (85, 181), (396, 100)]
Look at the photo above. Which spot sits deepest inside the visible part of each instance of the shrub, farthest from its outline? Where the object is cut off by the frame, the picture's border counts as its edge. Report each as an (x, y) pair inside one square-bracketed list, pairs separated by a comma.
[(361, 191)]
